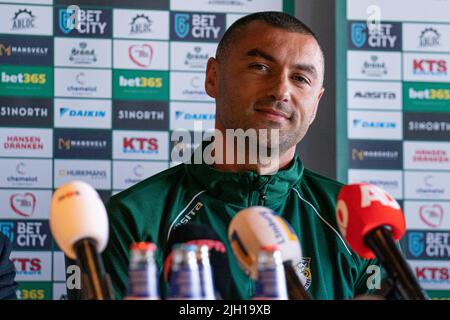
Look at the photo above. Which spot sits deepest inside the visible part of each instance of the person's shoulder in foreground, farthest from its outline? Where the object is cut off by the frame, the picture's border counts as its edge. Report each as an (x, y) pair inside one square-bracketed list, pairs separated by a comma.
[(8, 285)]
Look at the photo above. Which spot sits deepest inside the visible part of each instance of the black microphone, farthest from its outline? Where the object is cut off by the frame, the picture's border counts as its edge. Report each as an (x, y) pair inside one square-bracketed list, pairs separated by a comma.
[(79, 225), (199, 234)]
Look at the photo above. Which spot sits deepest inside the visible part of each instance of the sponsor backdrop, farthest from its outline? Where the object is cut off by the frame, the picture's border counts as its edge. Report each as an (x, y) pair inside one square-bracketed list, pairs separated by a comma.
[(394, 119), (99, 103)]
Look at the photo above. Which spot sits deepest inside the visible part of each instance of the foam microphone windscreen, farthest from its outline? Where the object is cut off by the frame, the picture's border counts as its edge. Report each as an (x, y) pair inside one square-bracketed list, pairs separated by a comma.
[(255, 227), (76, 213), (199, 234), (361, 208)]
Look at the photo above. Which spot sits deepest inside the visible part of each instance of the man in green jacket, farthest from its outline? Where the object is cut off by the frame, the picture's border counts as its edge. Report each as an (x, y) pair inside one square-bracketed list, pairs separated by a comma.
[(267, 74)]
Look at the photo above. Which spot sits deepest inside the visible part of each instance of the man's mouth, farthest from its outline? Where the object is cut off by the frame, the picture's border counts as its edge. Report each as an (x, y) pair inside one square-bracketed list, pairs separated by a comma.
[(274, 114)]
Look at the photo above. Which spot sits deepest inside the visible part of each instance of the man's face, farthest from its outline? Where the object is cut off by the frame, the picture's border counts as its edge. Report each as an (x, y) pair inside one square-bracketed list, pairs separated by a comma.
[(270, 79)]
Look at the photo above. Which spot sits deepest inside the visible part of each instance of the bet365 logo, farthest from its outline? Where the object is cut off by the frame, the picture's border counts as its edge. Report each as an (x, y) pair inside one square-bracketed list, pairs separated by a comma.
[(23, 78)]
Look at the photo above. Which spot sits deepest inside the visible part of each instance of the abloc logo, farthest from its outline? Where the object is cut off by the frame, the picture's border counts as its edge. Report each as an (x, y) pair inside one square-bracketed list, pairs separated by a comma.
[(23, 112), (383, 36), (188, 26), (23, 19), (26, 51), (429, 38), (82, 144), (32, 235), (91, 23), (427, 245)]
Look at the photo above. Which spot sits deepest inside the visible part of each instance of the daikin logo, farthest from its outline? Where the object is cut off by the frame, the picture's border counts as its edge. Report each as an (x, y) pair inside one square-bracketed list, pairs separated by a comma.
[(374, 124), (194, 116), (73, 113)]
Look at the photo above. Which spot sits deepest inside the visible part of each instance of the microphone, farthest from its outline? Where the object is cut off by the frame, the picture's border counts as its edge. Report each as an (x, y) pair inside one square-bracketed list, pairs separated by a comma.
[(371, 220), (199, 234), (256, 227), (79, 225)]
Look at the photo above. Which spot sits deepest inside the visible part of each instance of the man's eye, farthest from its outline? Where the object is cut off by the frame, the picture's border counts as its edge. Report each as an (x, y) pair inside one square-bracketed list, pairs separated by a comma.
[(301, 79), (259, 66)]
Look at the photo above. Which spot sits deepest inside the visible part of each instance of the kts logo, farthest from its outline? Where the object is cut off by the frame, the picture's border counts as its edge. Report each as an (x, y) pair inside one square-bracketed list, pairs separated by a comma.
[(140, 145), (141, 24), (374, 68), (431, 215), (386, 36), (197, 26), (429, 67), (428, 245), (432, 274), (23, 20), (141, 55), (23, 204), (91, 22), (429, 38), (83, 55), (28, 266)]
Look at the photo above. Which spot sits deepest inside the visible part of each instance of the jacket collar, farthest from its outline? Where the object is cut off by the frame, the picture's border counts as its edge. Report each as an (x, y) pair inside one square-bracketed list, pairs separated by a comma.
[(244, 188)]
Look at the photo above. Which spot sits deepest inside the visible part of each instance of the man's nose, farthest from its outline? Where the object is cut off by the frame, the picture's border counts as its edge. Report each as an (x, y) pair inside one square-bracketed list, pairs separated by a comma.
[(280, 88)]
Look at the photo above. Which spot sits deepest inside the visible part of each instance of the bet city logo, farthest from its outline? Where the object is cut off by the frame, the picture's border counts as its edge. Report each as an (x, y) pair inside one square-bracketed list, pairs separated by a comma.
[(141, 55), (23, 204)]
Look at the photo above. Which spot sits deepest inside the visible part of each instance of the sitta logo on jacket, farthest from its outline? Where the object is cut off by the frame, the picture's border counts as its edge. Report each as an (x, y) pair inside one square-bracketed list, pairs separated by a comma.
[(386, 36), (197, 26)]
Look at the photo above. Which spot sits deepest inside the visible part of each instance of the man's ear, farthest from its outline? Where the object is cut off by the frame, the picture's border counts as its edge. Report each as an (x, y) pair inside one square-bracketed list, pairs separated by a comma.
[(317, 105), (211, 77)]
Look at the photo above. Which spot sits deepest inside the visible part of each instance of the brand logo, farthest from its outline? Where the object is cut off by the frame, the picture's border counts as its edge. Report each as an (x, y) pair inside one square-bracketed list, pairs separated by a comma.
[(69, 144), (83, 55), (23, 204), (196, 59), (140, 145), (383, 35), (91, 22), (141, 55), (7, 228), (427, 126), (198, 26), (429, 67), (429, 38), (431, 215), (374, 67), (23, 20), (140, 24)]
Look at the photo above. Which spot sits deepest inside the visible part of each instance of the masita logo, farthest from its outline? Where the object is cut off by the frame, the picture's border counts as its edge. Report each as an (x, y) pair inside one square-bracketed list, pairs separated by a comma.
[(379, 95), (189, 26), (26, 51), (26, 81), (91, 23), (23, 112), (141, 85), (382, 36)]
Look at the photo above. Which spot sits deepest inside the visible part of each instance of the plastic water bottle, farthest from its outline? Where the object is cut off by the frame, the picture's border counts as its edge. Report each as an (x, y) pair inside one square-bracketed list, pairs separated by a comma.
[(206, 277), (143, 274), (271, 281), (184, 274)]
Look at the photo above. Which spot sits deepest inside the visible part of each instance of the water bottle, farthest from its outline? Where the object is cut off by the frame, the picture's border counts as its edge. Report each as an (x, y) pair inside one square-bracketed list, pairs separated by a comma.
[(206, 277), (271, 281), (184, 281), (143, 273)]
